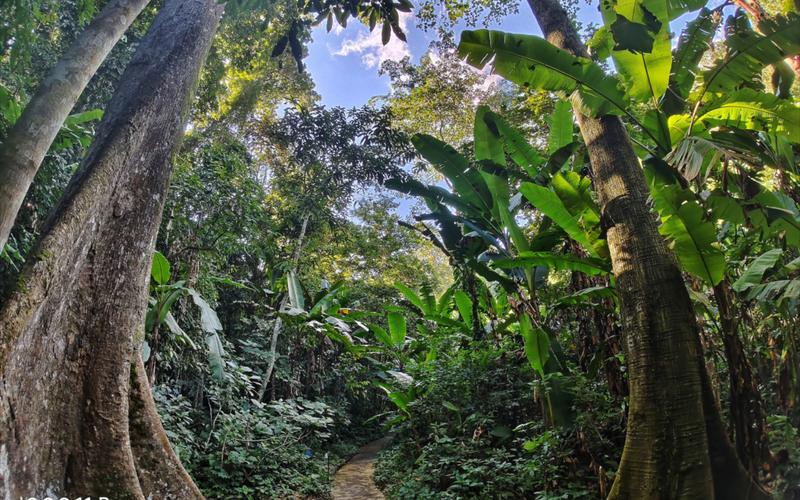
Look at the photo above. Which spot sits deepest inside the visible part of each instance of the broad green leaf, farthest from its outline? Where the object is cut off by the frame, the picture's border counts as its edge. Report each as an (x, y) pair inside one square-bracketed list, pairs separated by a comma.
[(515, 143), (215, 353), (560, 127), (537, 344), (586, 296), (723, 207), (467, 182), (552, 206), (555, 261), (676, 8), (694, 242), (296, 298), (412, 297), (397, 328), (209, 320), (160, 269), (488, 145), (748, 109), (381, 335), (533, 62), (644, 67), (749, 52), (464, 305), (694, 41), (756, 270)]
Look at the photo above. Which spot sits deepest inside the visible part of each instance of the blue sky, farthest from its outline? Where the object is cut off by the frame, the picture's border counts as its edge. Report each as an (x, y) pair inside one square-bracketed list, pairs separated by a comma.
[(345, 63)]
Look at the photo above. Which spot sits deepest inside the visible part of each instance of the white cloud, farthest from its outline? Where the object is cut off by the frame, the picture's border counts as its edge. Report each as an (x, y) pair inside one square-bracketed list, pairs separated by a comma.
[(373, 51)]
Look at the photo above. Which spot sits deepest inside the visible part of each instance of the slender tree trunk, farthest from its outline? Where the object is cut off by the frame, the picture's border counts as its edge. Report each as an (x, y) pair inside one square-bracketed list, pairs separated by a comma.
[(278, 324), (674, 448), (71, 329), (746, 407), (31, 136)]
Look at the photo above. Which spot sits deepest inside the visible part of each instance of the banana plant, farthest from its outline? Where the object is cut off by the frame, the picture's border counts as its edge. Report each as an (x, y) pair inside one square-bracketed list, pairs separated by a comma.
[(163, 296), (686, 127)]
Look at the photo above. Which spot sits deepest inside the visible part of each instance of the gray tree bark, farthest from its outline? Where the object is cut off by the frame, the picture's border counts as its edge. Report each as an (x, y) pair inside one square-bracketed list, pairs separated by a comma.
[(675, 446), (70, 424), (33, 133)]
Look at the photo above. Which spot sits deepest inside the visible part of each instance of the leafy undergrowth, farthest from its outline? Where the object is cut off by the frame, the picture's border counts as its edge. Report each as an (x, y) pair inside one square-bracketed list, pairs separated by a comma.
[(282, 449), (478, 432)]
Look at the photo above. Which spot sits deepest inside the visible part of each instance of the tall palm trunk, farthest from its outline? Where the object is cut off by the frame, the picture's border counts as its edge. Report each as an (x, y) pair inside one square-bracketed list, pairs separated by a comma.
[(675, 446), (31, 136), (70, 424)]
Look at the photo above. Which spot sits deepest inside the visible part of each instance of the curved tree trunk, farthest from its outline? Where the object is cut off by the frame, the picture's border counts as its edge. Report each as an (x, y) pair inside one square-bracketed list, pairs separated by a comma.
[(71, 329), (31, 136), (675, 447)]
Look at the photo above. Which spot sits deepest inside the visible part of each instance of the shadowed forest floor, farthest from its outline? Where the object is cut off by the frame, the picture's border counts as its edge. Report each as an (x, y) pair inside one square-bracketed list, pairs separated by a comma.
[(353, 480)]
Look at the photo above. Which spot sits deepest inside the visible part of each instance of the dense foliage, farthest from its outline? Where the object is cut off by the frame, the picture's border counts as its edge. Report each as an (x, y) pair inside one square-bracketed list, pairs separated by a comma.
[(434, 265)]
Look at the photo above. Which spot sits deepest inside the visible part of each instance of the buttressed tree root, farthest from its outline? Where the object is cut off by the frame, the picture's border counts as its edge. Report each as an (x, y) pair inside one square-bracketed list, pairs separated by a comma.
[(72, 423)]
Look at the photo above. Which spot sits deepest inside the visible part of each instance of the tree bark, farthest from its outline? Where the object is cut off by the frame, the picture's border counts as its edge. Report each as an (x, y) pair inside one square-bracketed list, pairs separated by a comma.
[(673, 447), (72, 327), (31, 136)]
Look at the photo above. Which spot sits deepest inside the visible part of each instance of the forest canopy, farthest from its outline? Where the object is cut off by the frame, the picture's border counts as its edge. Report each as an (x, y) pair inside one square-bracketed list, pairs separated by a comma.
[(561, 263)]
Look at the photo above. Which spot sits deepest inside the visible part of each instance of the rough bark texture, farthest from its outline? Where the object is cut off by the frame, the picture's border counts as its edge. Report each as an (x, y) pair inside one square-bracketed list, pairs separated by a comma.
[(30, 138), (70, 329), (674, 448)]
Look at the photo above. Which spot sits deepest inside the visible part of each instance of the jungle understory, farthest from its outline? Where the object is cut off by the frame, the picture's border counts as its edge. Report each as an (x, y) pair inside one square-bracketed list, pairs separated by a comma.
[(384, 249)]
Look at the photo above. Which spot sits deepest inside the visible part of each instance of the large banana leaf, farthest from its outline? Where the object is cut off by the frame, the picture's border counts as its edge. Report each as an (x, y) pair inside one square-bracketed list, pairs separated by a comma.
[(756, 270), (551, 205), (516, 146), (643, 52), (533, 62), (488, 145), (412, 297), (466, 181), (560, 127), (694, 242), (748, 109), (676, 8), (749, 52), (694, 41), (556, 261), (536, 342)]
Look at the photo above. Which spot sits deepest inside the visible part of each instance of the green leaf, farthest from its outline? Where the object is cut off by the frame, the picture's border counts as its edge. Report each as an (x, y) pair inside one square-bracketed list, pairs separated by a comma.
[(756, 270), (552, 206), (748, 109), (296, 298), (643, 53), (464, 305), (694, 41), (537, 344), (533, 62), (467, 182), (215, 354), (556, 261), (749, 52), (412, 297), (488, 145), (160, 270), (560, 127), (397, 328), (209, 320), (381, 335), (694, 242), (516, 145)]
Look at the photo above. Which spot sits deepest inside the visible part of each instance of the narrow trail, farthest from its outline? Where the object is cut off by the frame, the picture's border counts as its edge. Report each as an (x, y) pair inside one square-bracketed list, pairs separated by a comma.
[(353, 480)]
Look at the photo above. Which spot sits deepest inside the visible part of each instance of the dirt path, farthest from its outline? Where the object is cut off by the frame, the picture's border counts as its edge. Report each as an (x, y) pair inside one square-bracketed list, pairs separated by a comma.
[(353, 480)]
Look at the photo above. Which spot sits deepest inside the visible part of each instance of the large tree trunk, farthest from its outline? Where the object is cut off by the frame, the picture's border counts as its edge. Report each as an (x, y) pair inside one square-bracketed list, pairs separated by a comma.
[(674, 447), (71, 329), (31, 136)]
